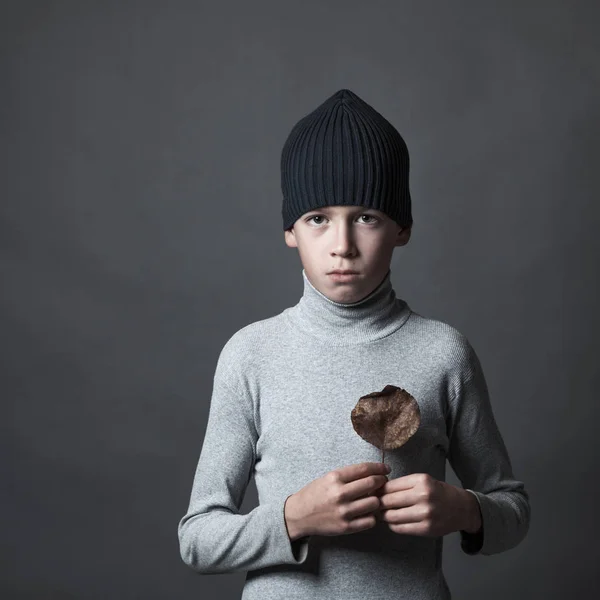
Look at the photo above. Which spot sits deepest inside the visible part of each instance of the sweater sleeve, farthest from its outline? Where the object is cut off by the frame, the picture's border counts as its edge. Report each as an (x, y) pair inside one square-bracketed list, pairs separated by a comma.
[(213, 536), (479, 458)]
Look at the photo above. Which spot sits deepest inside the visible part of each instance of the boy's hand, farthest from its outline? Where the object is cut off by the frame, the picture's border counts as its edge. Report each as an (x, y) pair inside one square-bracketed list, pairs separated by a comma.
[(340, 502), (418, 504)]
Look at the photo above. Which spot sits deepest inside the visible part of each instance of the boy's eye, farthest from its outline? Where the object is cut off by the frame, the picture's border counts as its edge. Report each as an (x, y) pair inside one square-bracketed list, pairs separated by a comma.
[(371, 217)]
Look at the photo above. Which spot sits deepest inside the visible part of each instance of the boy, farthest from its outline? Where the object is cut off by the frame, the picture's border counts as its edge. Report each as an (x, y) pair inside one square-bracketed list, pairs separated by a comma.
[(330, 524)]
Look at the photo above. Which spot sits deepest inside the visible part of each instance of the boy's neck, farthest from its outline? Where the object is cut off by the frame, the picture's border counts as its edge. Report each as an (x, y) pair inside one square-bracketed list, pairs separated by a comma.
[(375, 316)]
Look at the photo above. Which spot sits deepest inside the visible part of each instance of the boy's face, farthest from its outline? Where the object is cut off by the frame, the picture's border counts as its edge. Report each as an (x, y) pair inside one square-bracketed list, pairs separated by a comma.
[(346, 237)]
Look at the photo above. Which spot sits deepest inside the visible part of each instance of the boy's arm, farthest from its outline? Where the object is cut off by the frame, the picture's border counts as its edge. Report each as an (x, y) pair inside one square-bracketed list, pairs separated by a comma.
[(480, 459), (213, 536)]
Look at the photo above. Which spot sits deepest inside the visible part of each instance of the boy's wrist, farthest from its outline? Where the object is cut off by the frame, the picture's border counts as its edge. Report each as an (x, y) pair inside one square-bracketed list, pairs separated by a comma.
[(473, 519), (292, 523)]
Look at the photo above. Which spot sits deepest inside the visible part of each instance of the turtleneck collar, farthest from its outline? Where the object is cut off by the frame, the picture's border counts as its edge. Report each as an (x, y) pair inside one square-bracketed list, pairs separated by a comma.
[(376, 316)]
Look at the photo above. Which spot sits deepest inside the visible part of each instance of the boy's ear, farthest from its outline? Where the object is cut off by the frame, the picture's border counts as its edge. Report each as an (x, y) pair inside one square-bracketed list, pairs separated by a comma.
[(403, 236), (290, 238)]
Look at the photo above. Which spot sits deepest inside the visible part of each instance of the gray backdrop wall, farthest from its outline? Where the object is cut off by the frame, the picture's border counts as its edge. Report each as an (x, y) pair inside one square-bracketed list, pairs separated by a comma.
[(141, 227)]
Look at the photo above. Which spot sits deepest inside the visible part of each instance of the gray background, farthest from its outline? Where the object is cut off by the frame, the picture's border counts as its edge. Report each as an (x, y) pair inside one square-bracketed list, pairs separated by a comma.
[(141, 227)]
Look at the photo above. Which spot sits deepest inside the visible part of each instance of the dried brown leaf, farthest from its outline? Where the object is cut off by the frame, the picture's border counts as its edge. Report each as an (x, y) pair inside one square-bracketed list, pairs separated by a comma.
[(386, 419)]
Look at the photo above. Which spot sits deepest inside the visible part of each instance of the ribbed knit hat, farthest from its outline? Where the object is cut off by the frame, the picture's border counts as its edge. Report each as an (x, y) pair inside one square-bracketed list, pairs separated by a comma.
[(345, 152)]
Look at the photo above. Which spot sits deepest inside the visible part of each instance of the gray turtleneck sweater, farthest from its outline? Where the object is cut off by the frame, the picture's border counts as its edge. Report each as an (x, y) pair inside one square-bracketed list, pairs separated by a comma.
[(282, 395)]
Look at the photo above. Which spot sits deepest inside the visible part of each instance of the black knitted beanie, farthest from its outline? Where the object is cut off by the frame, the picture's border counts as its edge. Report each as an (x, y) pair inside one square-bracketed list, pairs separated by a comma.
[(345, 152)]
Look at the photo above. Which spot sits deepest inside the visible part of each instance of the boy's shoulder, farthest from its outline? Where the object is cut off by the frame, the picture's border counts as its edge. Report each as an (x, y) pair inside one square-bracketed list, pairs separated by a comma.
[(245, 344), (435, 329), (442, 339)]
